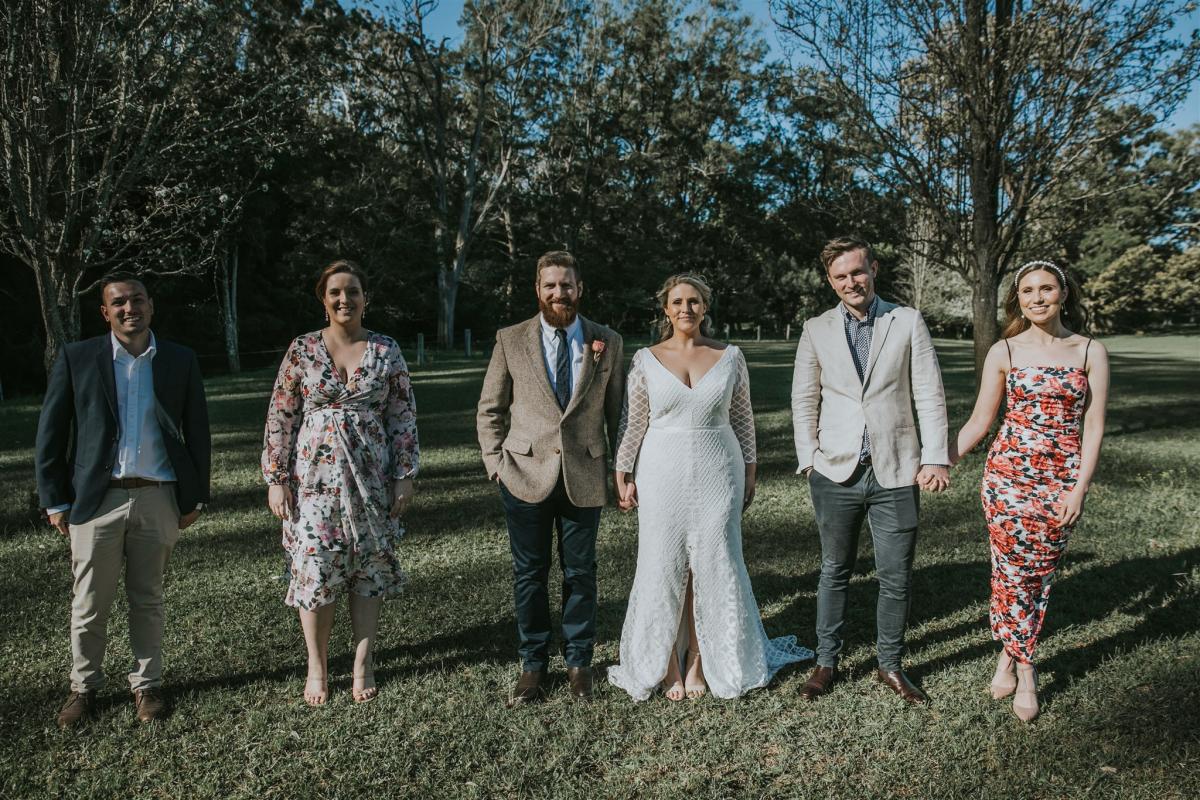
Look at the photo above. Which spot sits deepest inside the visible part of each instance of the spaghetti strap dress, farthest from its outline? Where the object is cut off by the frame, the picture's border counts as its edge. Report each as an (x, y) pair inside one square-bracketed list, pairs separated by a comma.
[(1032, 463)]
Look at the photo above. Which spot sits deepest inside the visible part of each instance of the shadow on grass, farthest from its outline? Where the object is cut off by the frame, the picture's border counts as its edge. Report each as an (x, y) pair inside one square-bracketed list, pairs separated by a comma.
[(1152, 590)]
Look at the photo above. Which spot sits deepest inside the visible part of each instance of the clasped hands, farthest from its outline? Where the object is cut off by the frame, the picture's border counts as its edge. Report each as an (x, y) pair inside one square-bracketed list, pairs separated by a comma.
[(282, 503), (931, 478)]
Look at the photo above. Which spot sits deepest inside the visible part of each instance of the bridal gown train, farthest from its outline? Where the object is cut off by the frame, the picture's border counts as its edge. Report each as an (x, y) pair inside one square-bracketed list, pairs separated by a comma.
[(690, 447)]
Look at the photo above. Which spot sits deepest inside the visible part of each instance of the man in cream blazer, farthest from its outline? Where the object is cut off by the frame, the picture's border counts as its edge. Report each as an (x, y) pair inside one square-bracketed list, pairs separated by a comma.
[(860, 369), (547, 415)]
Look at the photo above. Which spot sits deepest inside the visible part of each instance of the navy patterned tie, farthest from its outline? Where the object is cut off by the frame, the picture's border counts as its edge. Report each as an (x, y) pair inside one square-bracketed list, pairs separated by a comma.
[(562, 370)]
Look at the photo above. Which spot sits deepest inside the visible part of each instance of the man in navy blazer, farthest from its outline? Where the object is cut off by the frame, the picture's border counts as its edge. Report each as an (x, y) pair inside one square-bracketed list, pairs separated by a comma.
[(122, 465)]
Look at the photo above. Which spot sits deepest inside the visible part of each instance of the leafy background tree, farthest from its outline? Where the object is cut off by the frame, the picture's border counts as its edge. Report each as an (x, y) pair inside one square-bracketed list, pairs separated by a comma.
[(228, 149)]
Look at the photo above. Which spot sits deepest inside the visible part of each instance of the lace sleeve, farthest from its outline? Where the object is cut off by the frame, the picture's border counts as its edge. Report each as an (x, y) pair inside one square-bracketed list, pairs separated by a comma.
[(635, 417), (741, 414), (284, 414)]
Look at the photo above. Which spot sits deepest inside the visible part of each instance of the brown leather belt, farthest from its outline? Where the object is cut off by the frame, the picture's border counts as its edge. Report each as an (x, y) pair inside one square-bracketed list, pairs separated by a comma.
[(135, 483)]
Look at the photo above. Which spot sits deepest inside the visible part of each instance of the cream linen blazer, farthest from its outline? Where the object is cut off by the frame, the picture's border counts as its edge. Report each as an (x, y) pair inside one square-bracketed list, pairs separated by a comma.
[(830, 405), (526, 439)]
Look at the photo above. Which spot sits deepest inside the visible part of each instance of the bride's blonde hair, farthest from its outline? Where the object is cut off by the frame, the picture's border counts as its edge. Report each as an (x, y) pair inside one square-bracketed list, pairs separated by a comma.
[(665, 328)]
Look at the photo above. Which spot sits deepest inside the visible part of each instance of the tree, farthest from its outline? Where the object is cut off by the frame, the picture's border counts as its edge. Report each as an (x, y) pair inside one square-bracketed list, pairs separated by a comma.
[(1138, 190), (976, 110), (456, 112), (86, 105)]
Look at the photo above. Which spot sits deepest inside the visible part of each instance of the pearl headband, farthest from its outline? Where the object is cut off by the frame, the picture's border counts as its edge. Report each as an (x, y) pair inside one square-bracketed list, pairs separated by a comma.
[(1029, 266)]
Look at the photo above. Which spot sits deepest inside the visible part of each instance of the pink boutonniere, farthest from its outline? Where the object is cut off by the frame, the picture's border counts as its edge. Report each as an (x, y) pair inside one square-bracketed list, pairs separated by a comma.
[(597, 349)]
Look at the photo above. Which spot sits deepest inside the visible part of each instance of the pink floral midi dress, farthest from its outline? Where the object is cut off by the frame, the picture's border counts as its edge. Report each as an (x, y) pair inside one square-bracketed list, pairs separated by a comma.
[(339, 446)]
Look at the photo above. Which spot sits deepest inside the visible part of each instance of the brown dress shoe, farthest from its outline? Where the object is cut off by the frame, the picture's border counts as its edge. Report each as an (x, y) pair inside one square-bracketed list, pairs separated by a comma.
[(818, 683), (79, 706), (150, 704), (581, 682), (899, 683), (529, 689)]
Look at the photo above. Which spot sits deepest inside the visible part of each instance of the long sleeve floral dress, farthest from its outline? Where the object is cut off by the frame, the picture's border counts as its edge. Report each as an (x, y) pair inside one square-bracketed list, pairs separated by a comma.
[(339, 446)]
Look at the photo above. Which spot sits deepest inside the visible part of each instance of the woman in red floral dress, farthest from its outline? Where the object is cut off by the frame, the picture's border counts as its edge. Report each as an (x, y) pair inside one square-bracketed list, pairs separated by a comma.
[(1041, 462)]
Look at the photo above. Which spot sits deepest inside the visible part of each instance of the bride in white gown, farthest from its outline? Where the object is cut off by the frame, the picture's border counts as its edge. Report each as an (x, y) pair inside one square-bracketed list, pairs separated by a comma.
[(689, 429)]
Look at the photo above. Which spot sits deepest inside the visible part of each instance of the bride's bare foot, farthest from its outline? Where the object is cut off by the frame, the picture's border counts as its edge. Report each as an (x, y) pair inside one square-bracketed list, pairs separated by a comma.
[(672, 685), (694, 682), (363, 688), (316, 690)]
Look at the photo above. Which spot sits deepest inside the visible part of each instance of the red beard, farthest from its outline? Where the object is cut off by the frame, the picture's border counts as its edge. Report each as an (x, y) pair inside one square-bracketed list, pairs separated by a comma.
[(558, 317)]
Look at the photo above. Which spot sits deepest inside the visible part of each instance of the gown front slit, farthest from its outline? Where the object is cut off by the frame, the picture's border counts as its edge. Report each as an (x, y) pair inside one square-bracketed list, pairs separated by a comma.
[(688, 447)]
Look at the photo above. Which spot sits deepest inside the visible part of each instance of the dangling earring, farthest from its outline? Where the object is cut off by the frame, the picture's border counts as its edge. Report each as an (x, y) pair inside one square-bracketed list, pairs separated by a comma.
[(326, 317)]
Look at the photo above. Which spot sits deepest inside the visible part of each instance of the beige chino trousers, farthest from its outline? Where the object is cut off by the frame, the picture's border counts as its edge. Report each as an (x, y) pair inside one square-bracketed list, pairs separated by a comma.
[(135, 529)]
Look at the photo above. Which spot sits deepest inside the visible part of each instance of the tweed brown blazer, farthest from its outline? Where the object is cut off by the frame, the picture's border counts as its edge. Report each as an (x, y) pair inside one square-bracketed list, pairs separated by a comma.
[(527, 440)]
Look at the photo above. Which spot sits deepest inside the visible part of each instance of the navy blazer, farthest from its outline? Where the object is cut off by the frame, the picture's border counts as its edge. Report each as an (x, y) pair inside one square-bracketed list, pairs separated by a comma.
[(78, 431)]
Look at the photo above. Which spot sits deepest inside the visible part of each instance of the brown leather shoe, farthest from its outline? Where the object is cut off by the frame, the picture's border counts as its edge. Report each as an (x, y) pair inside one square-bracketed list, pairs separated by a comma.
[(581, 682), (150, 704), (529, 689), (818, 683), (80, 706), (899, 683)]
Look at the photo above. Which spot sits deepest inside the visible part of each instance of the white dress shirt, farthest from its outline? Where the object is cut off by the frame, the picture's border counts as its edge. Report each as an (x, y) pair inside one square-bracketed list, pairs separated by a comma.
[(140, 449), (550, 350)]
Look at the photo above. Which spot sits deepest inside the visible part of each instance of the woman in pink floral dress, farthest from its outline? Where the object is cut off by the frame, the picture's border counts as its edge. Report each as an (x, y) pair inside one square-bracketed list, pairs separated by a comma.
[(340, 454), (1040, 464)]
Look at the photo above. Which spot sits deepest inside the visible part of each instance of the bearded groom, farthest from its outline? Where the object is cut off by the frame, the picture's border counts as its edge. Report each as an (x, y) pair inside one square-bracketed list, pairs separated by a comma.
[(547, 415)]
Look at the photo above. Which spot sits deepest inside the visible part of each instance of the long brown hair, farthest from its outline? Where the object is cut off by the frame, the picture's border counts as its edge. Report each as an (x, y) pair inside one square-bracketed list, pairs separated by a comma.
[(1073, 314), (665, 328)]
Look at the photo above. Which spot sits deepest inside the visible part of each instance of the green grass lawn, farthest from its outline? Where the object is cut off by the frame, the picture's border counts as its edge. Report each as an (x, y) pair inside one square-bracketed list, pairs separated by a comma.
[(1120, 657)]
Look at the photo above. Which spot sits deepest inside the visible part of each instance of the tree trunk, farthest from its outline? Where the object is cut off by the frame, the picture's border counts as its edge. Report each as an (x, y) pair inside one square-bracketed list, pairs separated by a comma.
[(60, 310), (447, 297), (226, 270), (983, 309), (985, 175), (509, 286)]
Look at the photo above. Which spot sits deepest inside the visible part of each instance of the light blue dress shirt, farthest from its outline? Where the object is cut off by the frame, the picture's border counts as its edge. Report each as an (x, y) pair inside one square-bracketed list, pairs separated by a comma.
[(550, 350)]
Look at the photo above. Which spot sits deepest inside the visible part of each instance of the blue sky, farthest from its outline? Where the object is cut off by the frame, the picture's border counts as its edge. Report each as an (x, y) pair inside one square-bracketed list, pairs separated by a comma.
[(444, 22)]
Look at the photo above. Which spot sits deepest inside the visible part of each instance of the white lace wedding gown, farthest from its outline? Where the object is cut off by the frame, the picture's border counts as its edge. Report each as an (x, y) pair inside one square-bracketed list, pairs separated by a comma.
[(690, 446)]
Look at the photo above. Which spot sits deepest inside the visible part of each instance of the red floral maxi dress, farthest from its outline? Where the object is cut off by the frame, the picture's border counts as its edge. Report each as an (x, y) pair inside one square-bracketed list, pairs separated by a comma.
[(1032, 463), (340, 446)]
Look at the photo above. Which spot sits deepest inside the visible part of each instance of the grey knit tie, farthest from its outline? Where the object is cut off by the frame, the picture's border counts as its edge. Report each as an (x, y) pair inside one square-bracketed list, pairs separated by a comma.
[(862, 351)]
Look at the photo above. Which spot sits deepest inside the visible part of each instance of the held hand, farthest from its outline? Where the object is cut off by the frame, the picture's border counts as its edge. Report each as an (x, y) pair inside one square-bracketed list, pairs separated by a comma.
[(933, 479), (748, 495), (1070, 506), (279, 500), (187, 519), (59, 522), (626, 492), (402, 494)]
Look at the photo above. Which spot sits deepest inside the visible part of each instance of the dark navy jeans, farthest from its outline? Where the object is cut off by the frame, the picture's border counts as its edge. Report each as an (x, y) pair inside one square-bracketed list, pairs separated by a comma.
[(532, 529)]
